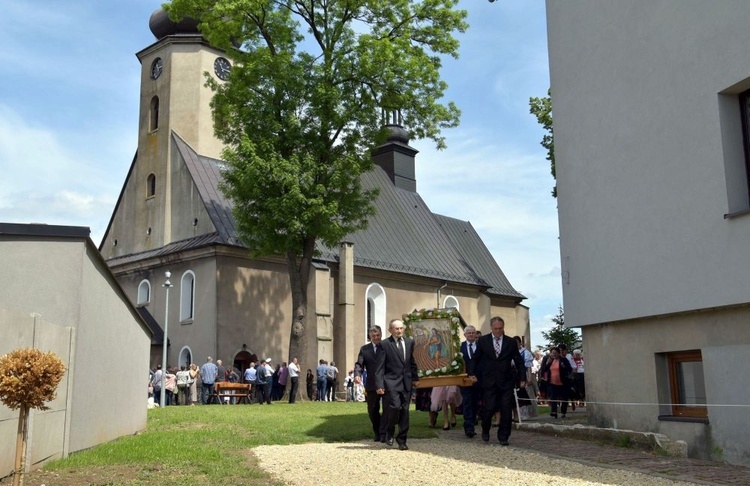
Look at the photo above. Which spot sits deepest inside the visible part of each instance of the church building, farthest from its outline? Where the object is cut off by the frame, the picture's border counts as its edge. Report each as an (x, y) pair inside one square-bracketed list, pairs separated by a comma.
[(172, 216)]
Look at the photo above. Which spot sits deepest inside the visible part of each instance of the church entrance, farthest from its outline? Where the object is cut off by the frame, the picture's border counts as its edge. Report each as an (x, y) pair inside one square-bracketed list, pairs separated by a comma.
[(242, 361)]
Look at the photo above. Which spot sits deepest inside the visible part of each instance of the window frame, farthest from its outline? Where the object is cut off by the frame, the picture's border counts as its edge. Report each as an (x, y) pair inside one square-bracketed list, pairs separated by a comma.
[(452, 298), (139, 302), (151, 185), (674, 360), (187, 309), (375, 309), (153, 117)]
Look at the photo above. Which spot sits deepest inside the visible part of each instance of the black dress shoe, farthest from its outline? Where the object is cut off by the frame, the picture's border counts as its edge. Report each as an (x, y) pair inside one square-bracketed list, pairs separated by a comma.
[(382, 439), (485, 436), (389, 441), (504, 442), (377, 439), (403, 447), (470, 434)]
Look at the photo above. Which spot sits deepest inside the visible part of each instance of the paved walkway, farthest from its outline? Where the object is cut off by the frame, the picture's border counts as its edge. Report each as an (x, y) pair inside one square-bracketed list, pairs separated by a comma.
[(592, 453)]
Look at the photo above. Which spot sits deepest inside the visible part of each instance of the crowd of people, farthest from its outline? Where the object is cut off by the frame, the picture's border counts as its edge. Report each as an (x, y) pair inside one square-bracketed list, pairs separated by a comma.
[(268, 384), (561, 379), (385, 375)]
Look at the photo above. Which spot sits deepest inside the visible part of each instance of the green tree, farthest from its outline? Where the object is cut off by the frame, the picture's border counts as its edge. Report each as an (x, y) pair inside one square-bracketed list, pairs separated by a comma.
[(542, 109), (560, 334), (302, 109)]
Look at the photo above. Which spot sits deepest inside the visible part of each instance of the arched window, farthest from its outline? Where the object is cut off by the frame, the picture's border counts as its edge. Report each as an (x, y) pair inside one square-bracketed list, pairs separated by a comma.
[(153, 121), (187, 296), (151, 185), (375, 308), (186, 357), (451, 301), (144, 293)]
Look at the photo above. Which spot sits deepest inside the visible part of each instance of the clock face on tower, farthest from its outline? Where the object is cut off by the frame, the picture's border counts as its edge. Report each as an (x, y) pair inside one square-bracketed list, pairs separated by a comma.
[(156, 68), (222, 68)]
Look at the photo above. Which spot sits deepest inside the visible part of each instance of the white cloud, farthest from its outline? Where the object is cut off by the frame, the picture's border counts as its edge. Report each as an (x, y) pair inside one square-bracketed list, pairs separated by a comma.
[(48, 180)]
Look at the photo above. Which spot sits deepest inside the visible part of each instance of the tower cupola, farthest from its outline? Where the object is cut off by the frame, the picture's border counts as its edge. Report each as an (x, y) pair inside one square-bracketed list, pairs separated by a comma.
[(396, 156)]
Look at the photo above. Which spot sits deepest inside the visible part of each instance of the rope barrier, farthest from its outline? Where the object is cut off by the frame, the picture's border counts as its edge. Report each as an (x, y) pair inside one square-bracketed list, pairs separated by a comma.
[(647, 404)]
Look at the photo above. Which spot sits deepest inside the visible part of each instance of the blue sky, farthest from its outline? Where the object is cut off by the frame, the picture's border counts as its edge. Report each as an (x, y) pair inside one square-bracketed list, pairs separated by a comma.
[(69, 120)]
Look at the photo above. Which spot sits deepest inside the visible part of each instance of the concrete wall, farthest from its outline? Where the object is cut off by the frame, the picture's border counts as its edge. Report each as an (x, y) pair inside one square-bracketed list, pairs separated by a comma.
[(649, 155), (624, 368), (108, 338), (67, 284), (48, 430)]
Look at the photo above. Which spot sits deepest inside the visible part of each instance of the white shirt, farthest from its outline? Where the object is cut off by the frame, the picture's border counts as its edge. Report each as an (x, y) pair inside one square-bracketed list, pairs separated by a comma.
[(293, 370)]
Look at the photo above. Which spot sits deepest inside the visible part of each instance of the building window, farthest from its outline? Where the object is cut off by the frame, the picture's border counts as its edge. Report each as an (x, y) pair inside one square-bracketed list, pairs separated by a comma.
[(186, 357), (187, 296), (154, 114), (450, 302), (744, 98), (151, 185), (686, 384), (375, 308), (144, 293)]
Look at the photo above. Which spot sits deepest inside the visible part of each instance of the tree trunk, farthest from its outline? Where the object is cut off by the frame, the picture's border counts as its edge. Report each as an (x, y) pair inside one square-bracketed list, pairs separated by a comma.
[(23, 420), (299, 279)]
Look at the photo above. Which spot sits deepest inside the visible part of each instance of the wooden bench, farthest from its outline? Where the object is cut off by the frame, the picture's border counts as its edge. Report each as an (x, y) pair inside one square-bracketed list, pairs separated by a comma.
[(240, 391)]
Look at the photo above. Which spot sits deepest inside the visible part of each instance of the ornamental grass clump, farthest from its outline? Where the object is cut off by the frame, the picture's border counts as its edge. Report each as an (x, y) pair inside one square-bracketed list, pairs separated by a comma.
[(28, 379)]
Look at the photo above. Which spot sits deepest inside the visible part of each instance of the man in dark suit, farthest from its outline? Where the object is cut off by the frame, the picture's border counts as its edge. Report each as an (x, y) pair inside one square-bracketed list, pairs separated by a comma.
[(369, 354), (470, 394), (497, 359), (396, 375)]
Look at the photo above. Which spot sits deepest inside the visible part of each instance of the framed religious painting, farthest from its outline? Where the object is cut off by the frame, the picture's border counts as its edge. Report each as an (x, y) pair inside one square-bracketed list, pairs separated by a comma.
[(437, 346)]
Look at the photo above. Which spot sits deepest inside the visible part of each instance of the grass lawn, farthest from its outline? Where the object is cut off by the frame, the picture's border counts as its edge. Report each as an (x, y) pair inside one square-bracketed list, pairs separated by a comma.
[(210, 444)]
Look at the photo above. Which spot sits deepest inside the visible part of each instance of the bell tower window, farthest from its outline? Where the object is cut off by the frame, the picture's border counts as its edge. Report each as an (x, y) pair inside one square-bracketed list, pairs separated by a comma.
[(151, 185), (154, 114)]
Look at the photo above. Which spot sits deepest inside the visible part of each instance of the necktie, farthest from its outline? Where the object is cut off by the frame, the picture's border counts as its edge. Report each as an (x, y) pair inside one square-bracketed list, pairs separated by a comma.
[(497, 347), (471, 350), (401, 348)]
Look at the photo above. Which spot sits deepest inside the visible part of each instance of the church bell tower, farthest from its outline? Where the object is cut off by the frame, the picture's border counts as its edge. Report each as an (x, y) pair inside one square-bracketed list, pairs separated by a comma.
[(173, 100)]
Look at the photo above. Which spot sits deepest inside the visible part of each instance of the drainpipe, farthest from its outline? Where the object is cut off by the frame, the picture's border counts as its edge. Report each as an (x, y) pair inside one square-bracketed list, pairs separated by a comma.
[(439, 293)]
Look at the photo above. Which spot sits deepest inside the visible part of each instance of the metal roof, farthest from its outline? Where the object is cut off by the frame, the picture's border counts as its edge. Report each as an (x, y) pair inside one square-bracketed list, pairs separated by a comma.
[(403, 236), (475, 253)]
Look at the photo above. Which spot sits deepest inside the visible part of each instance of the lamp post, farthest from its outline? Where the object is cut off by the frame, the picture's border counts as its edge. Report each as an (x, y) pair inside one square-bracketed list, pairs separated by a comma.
[(166, 286)]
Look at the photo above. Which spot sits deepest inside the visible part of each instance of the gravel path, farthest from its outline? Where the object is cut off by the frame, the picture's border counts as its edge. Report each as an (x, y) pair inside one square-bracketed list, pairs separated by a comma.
[(433, 461)]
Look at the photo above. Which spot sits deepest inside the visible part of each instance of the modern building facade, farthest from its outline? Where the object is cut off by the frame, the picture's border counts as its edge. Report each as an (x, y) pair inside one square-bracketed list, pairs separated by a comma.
[(57, 294), (172, 216), (650, 108)]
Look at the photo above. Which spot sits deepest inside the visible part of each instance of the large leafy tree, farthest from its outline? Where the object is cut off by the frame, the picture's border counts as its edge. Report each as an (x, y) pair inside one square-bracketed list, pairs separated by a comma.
[(541, 108), (303, 107)]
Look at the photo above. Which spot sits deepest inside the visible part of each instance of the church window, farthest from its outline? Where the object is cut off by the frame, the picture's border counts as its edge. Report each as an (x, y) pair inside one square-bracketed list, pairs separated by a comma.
[(375, 308), (186, 357), (144, 293), (151, 185), (154, 114), (187, 296), (450, 302)]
